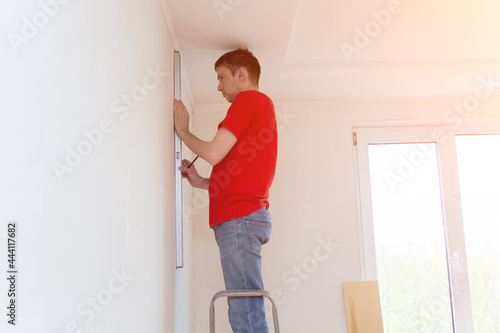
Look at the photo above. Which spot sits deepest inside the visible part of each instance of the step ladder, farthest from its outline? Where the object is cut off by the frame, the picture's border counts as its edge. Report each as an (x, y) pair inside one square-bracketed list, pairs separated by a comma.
[(243, 293)]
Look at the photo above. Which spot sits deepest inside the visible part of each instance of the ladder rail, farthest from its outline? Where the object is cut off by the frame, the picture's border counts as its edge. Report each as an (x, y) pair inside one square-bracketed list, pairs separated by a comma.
[(243, 293)]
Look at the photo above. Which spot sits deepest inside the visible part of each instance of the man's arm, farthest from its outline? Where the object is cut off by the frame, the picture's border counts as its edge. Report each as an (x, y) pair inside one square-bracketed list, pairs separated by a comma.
[(214, 151)]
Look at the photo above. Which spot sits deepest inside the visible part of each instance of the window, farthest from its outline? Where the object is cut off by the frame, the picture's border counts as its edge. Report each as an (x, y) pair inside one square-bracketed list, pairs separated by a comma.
[(479, 168), (430, 226)]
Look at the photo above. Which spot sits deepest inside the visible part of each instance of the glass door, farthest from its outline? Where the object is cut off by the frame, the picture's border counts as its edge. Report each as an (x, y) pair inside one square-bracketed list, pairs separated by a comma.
[(409, 234), (417, 239)]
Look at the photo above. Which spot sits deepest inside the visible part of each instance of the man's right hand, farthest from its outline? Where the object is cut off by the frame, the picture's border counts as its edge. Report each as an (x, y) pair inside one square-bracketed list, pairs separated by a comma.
[(192, 175)]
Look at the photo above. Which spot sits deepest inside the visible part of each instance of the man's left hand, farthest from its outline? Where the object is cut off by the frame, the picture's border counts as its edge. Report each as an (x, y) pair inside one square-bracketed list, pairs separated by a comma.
[(181, 118)]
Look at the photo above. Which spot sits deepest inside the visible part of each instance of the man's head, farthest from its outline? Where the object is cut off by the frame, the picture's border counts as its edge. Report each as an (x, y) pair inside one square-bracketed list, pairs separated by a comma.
[(237, 71)]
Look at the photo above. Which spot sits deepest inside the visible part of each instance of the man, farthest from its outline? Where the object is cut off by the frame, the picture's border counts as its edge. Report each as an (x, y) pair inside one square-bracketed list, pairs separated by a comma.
[(243, 155)]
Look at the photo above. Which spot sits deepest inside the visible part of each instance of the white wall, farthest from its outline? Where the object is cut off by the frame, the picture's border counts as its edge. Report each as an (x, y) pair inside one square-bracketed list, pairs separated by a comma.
[(313, 202), (113, 213)]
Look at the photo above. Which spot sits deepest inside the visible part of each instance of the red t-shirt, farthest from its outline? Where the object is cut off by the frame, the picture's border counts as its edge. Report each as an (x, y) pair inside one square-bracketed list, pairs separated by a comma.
[(239, 184)]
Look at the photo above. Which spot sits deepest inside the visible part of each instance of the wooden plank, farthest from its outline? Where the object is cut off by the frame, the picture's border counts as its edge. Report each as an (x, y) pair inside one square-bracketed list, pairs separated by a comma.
[(362, 307)]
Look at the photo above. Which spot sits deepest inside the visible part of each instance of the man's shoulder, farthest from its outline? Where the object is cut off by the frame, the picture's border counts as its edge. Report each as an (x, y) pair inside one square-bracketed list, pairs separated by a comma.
[(253, 95)]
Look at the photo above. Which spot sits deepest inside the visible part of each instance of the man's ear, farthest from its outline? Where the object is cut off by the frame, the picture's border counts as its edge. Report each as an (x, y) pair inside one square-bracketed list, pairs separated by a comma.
[(242, 74)]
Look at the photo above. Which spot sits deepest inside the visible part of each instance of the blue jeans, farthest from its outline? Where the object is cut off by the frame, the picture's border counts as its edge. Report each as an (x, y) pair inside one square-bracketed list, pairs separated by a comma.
[(240, 241)]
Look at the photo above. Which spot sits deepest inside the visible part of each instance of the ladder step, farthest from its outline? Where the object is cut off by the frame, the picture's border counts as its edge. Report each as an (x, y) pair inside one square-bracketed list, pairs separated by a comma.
[(243, 293)]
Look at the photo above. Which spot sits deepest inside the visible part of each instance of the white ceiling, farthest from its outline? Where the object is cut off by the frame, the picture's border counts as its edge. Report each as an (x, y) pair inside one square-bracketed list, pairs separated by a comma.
[(415, 48)]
